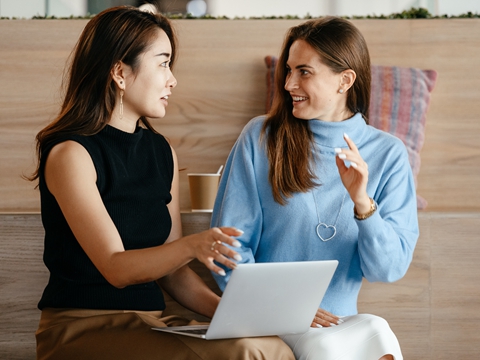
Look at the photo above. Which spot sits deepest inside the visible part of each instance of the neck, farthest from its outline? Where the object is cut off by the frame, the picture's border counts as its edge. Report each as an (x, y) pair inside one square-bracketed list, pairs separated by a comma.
[(342, 115), (124, 124)]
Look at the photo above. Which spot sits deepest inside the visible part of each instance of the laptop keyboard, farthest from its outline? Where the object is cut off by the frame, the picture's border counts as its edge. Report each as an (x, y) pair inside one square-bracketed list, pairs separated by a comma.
[(193, 331)]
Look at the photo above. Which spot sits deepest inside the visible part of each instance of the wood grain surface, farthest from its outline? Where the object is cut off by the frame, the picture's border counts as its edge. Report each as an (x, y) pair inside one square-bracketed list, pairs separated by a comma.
[(22, 279), (221, 86), (435, 308)]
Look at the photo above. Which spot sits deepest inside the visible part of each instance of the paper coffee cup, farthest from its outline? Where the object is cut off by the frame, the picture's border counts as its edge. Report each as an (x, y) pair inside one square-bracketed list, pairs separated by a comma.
[(203, 190)]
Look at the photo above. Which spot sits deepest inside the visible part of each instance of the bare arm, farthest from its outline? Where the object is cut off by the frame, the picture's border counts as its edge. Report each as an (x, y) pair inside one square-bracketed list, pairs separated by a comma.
[(184, 285), (71, 177), (189, 290)]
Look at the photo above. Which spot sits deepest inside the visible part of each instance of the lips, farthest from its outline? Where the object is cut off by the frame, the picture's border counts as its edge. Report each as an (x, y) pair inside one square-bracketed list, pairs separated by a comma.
[(164, 99), (299, 98)]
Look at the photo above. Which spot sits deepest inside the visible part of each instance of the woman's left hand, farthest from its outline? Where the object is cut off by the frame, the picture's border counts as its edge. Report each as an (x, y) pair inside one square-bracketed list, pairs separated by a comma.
[(354, 177)]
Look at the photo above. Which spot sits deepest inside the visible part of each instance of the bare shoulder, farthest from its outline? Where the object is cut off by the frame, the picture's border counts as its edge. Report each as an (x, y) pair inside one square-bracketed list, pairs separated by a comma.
[(68, 161), (67, 150)]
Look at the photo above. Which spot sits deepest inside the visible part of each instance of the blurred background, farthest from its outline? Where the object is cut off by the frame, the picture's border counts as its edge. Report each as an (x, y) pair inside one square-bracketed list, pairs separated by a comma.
[(239, 8)]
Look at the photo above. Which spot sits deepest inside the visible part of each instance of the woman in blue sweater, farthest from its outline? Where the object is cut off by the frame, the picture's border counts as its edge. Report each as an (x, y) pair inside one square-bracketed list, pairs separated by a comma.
[(109, 199), (312, 180)]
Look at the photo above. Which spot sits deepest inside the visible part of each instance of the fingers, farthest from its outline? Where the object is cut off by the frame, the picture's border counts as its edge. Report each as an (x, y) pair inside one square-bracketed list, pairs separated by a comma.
[(352, 155), (340, 164), (226, 251), (355, 176), (218, 252), (345, 154), (350, 142), (325, 319), (222, 254), (230, 231), (225, 235)]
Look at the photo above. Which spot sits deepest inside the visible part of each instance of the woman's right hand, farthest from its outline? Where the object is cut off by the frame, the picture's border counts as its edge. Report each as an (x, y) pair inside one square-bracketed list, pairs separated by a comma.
[(325, 319), (209, 246)]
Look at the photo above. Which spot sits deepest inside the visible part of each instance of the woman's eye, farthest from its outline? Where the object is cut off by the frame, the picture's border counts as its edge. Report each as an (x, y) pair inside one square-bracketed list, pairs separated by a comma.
[(304, 72), (165, 64)]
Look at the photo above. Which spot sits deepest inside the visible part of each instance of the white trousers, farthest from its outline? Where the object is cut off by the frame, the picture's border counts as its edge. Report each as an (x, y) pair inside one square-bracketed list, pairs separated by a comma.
[(359, 337)]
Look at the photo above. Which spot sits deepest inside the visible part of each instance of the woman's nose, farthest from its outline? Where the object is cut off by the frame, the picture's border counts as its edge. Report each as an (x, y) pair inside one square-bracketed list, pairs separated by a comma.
[(290, 83), (172, 81)]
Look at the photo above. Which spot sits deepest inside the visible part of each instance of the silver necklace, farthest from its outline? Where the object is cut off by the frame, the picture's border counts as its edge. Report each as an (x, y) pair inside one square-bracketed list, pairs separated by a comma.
[(323, 227)]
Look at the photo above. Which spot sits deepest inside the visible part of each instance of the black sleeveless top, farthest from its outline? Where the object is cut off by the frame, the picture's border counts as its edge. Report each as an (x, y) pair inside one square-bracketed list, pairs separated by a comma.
[(134, 176)]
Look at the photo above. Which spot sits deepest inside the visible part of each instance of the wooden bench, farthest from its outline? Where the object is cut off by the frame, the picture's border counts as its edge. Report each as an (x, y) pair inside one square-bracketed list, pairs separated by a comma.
[(434, 309)]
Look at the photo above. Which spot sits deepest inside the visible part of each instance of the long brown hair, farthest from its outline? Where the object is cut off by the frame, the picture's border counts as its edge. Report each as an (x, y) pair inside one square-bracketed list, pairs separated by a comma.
[(117, 34), (340, 46)]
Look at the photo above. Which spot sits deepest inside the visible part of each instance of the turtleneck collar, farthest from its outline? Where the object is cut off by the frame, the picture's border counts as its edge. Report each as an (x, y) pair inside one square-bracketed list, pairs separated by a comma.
[(330, 134), (123, 136)]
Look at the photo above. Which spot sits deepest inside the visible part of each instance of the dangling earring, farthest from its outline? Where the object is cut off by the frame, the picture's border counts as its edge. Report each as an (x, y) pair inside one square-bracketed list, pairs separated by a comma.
[(340, 91), (121, 103)]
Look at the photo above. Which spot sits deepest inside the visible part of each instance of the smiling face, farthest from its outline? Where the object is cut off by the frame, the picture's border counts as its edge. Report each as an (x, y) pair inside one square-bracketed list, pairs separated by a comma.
[(148, 88), (313, 86)]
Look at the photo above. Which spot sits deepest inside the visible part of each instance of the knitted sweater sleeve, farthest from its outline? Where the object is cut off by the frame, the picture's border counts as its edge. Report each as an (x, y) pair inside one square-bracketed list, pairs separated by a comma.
[(387, 239), (238, 203)]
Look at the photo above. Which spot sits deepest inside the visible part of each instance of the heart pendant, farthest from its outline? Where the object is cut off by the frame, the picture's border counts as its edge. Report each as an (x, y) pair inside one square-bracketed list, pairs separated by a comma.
[(324, 227)]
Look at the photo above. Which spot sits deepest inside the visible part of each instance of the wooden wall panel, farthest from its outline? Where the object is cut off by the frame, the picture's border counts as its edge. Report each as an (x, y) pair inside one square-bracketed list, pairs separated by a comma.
[(221, 85), (23, 277), (450, 169), (406, 303), (32, 58), (455, 302), (434, 309)]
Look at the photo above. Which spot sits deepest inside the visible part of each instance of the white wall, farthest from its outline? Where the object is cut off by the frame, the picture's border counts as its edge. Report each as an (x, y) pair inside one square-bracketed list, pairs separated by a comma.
[(22, 8), (250, 8), (375, 7), (258, 8), (28, 8), (66, 8), (458, 7)]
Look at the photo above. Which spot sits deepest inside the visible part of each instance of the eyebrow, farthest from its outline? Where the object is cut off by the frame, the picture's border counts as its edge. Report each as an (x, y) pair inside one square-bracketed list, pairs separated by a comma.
[(164, 54), (302, 66)]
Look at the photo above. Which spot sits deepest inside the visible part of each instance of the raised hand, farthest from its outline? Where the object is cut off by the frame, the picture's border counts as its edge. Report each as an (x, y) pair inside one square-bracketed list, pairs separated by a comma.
[(355, 176)]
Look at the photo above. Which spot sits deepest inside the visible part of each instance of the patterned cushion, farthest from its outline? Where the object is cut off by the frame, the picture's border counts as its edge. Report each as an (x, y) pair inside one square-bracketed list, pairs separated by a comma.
[(398, 104), (271, 62)]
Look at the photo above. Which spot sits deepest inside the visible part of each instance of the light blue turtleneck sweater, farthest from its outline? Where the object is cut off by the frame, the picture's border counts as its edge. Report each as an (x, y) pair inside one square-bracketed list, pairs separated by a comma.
[(379, 248)]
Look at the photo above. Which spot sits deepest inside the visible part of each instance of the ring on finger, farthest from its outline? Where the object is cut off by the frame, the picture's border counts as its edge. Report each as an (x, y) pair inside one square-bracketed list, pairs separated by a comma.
[(212, 248)]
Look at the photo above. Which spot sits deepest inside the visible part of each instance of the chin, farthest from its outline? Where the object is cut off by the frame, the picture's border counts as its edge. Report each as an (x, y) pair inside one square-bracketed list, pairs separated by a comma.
[(300, 115), (156, 115)]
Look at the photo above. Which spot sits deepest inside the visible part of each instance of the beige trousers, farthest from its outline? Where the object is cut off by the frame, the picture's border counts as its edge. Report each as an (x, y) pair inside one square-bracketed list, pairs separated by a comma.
[(70, 334)]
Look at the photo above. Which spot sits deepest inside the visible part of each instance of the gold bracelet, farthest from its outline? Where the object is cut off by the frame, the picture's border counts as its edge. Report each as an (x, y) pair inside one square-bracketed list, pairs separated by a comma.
[(373, 208)]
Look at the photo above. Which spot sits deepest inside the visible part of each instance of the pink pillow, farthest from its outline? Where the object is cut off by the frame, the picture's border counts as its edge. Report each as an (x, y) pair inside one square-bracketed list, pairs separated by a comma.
[(271, 62), (398, 104)]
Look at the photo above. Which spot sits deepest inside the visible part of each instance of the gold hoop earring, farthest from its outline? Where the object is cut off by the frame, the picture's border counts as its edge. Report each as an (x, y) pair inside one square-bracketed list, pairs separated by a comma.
[(121, 103)]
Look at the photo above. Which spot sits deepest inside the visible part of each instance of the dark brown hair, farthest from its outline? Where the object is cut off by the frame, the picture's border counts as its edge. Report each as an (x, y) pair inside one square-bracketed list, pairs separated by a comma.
[(340, 46), (117, 34)]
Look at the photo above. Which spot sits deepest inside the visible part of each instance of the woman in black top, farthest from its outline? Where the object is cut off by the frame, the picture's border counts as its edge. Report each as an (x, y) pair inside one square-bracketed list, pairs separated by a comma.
[(109, 198)]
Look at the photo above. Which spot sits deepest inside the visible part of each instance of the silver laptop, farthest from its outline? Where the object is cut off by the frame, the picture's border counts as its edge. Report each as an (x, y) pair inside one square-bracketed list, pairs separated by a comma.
[(263, 299)]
